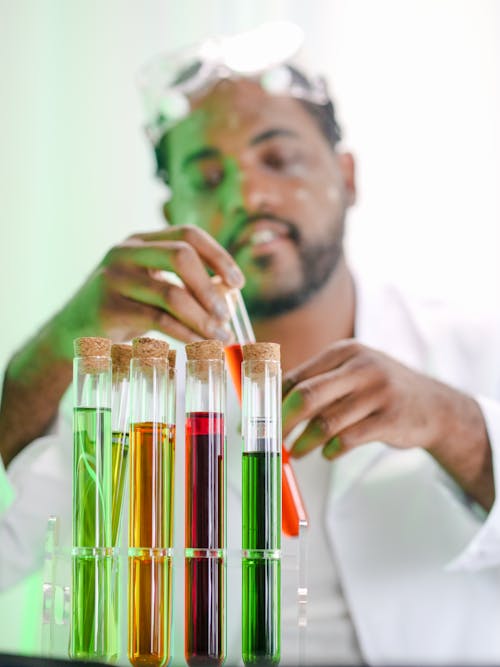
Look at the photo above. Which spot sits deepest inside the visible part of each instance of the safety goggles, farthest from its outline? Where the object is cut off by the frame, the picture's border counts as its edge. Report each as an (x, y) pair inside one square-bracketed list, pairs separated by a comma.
[(171, 82)]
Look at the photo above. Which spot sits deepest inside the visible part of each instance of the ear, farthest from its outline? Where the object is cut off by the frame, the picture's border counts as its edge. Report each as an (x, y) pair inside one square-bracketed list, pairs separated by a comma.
[(348, 169)]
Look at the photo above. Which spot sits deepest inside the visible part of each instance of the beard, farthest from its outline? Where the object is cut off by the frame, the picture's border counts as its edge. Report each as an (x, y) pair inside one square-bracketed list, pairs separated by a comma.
[(317, 263)]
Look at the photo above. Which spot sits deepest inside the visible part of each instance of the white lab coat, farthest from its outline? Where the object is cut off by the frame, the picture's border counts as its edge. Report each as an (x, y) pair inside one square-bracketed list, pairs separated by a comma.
[(419, 563)]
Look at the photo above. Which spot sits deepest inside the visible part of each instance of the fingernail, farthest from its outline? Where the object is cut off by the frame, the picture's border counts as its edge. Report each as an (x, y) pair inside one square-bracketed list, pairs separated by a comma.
[(220, 309), (297, 450), (222, 334), (332, 447), (235, 277)]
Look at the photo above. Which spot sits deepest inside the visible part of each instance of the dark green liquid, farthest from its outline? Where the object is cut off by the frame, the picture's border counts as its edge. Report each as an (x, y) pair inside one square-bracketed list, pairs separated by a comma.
[(95, 574), (261, 577)]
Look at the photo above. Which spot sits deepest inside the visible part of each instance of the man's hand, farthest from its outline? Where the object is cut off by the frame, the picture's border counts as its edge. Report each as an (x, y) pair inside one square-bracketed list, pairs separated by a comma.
[(122, 298), (353, 395)]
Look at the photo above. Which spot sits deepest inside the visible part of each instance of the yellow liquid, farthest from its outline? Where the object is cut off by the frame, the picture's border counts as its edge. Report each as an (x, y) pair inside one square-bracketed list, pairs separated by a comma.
[(152, 450), (119, 457)]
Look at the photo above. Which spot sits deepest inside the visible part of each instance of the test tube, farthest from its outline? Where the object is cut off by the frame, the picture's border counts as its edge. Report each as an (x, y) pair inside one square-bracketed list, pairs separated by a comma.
[(243, 333), (151, 510), (121, 355), (261, 504), (294, 515), (205, 557), (120, 424), (93, 633), (171, 411)]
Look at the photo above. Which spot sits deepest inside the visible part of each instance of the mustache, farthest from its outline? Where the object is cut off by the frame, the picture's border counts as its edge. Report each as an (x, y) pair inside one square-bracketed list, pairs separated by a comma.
[(293, 231)]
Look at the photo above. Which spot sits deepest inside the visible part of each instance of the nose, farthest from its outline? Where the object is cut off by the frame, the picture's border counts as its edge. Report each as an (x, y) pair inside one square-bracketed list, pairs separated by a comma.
[(260, 192)]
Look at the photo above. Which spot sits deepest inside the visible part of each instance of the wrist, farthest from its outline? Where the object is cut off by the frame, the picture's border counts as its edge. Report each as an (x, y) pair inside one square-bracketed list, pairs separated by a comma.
[(79, 317), (458, 420), (51, 344), (461, 446)]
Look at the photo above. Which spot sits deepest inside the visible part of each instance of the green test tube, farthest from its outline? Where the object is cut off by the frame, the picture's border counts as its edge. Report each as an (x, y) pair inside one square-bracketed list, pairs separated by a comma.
[(261, 504), (93, 633)]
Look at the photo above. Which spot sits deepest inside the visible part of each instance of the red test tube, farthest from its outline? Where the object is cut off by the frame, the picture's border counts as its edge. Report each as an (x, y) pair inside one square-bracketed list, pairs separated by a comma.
[(205, 565)]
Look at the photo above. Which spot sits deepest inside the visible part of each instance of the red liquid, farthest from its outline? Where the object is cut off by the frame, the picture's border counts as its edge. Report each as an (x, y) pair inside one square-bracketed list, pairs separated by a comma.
[(234, 358), (205, 512), (293, 511)]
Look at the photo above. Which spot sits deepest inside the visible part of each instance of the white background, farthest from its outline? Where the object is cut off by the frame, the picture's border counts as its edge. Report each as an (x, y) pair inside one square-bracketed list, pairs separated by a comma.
[(418, 93)]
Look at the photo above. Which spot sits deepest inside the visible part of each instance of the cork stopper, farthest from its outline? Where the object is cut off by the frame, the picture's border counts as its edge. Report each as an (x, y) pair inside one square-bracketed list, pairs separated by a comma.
[(94, 353), (147, 348), (152, 352), (92, 346), (205, 349), (257, 354), (267, 351), (121, 354), (172, 356), (200, 354)]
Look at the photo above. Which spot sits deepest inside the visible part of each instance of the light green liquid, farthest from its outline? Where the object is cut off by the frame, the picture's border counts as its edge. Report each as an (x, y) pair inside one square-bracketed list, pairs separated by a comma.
[(94, 627), (92, 477), (94, 633)]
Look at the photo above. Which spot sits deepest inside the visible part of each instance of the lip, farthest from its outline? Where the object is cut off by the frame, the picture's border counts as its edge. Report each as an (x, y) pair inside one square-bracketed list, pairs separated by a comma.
[(262, 234)]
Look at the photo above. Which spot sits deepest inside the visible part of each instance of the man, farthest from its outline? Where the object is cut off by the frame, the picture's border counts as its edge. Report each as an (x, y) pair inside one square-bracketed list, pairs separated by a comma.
[(259, 195)]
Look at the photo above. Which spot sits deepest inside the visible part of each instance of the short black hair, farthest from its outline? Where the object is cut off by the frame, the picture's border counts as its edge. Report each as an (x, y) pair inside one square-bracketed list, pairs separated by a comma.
[(322, 113)]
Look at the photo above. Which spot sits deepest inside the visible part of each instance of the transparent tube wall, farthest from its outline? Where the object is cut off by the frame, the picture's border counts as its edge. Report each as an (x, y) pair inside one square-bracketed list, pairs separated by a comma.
[(120, 426), (171, 421), (243, 333), (261, 512), (93, 623), (205, 564), (151, 514)]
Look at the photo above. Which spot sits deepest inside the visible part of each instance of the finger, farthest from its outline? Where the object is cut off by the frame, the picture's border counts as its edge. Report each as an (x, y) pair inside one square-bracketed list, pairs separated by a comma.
[(176, 256), (148, 318), (332, 448), (326, 360), (365, 431), (343, 414), (311, 396), (171, 299), (212, 253)]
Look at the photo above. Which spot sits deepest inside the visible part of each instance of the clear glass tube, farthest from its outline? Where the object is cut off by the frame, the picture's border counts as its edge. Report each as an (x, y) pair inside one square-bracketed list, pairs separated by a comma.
[(171, 421), (120, 426), (93, 622), (205, 556), (151, 507), (261, 506)]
